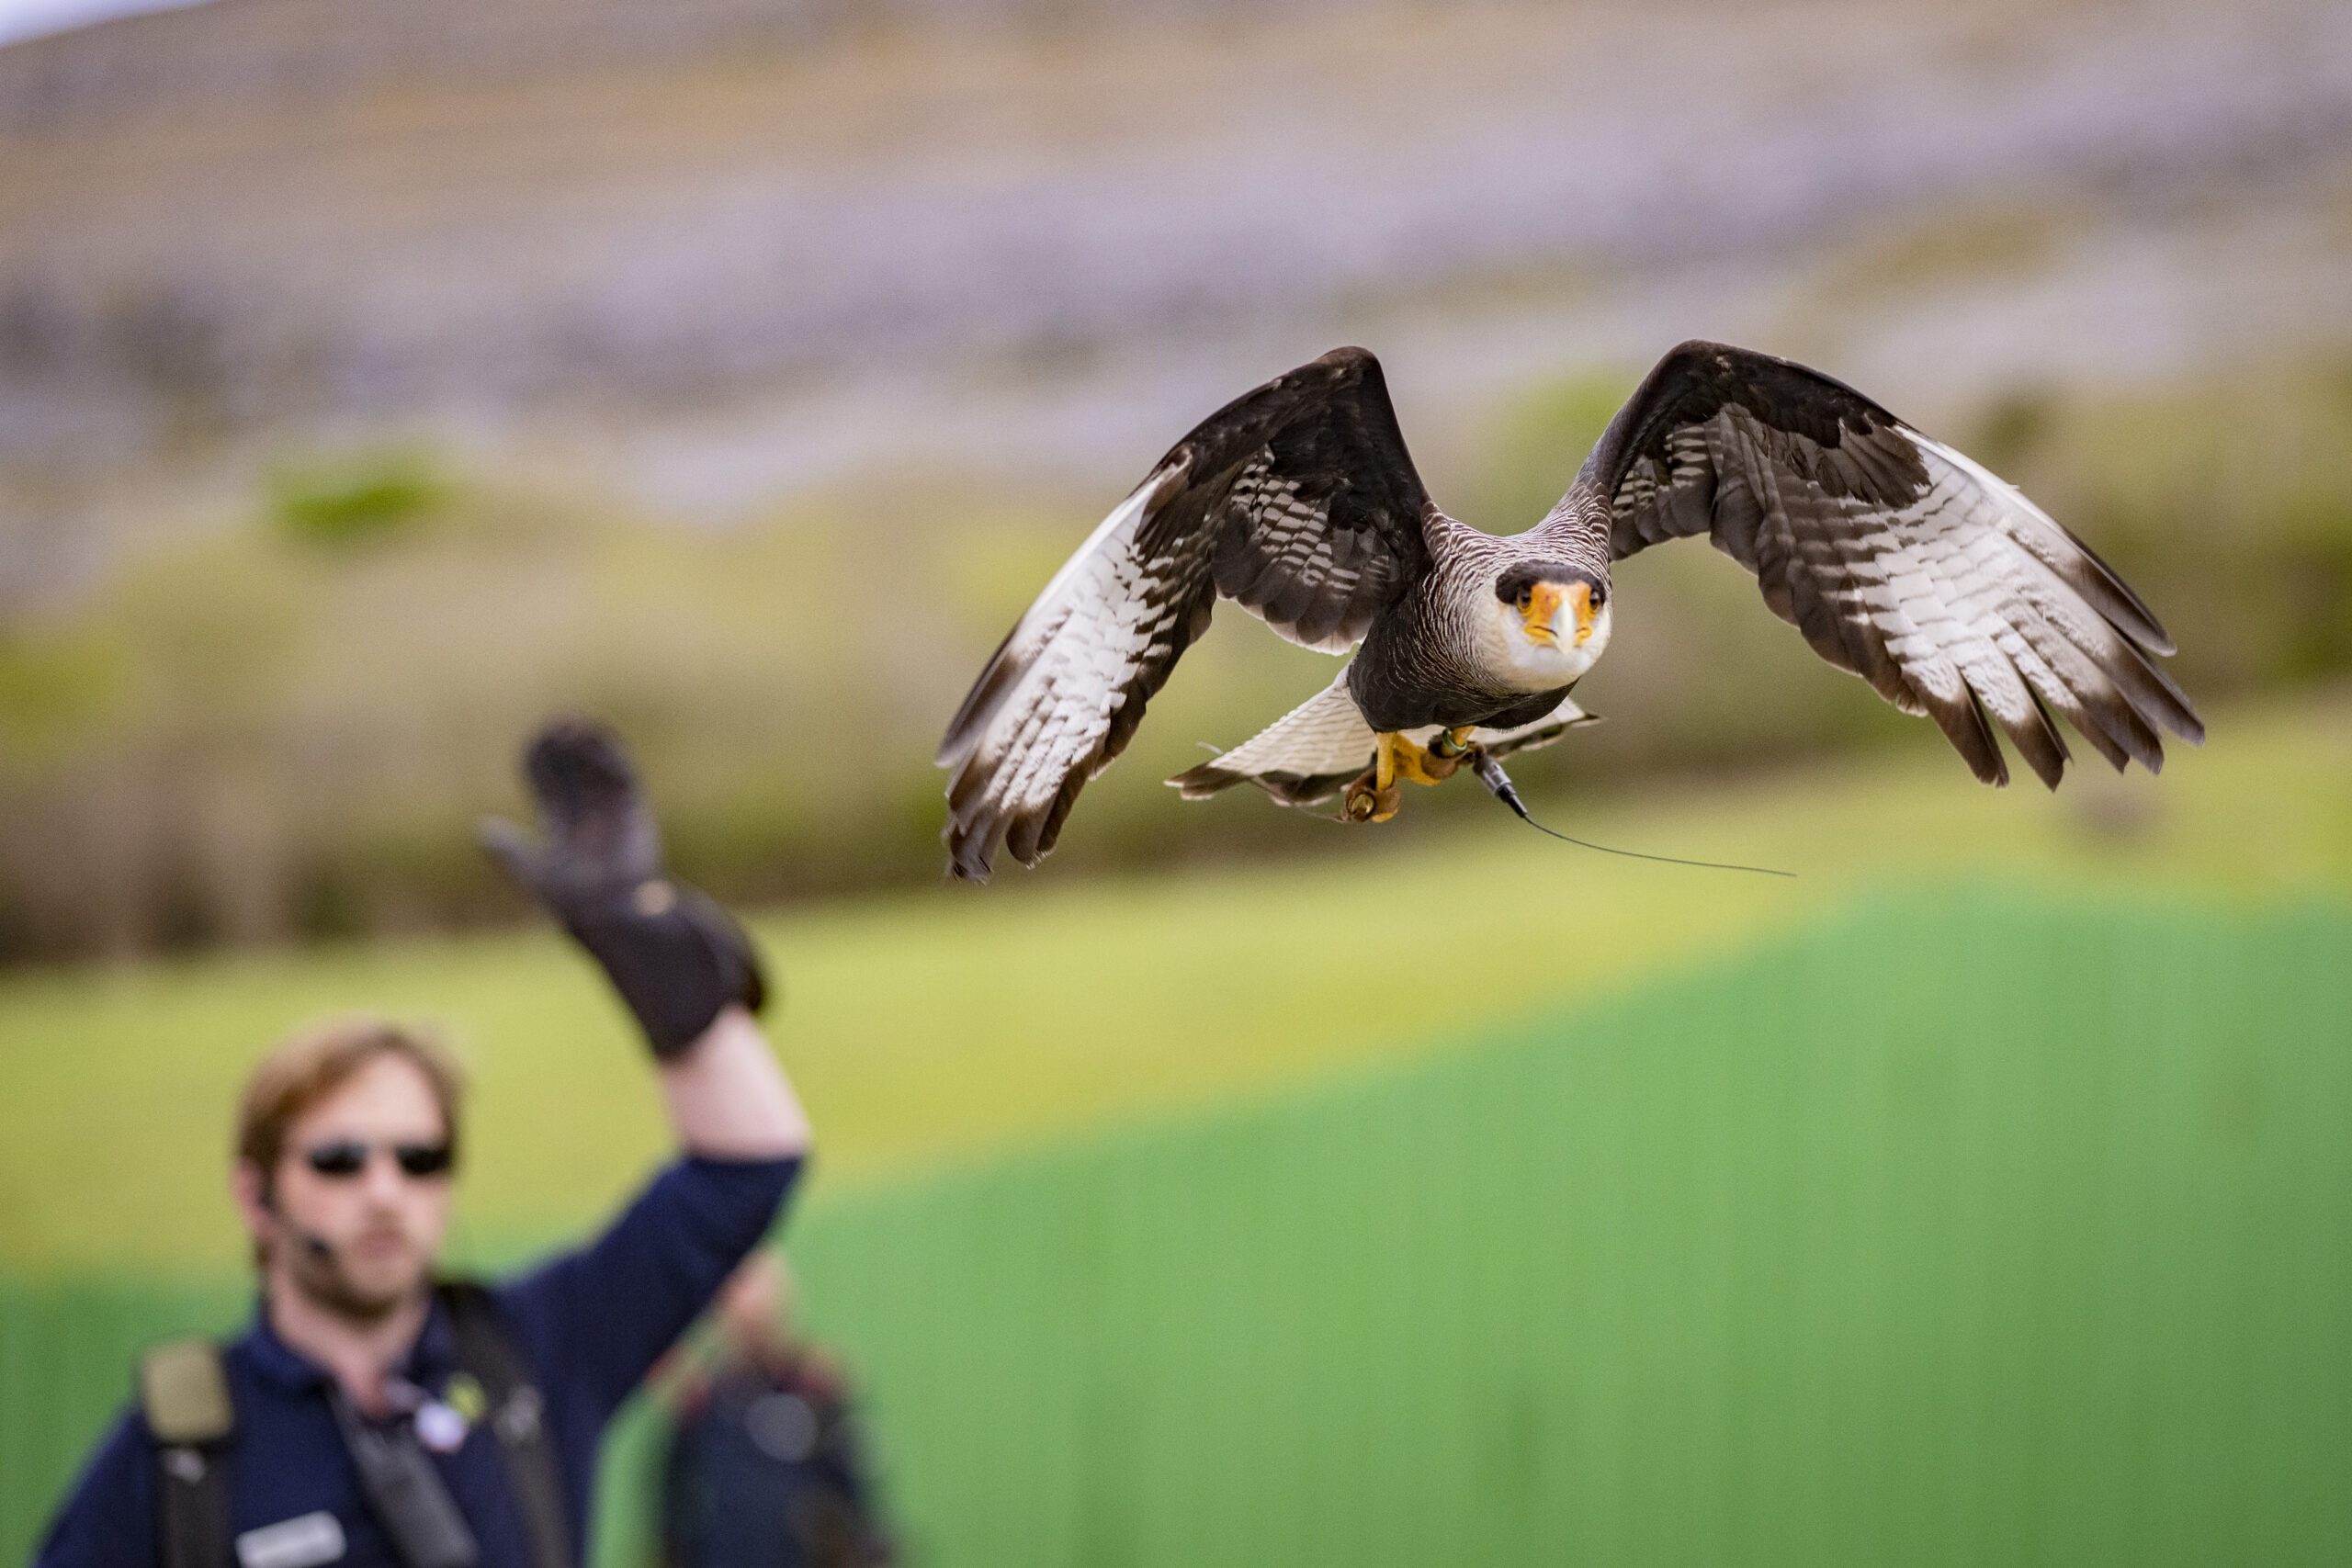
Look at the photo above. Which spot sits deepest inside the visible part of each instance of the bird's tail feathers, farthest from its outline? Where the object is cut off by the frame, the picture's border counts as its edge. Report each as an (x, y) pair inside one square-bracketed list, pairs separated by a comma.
[(1308, 755), (1315, 750)]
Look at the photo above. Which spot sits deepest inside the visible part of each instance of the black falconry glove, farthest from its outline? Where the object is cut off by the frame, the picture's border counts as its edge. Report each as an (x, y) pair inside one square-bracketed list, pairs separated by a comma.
[(675, 955)]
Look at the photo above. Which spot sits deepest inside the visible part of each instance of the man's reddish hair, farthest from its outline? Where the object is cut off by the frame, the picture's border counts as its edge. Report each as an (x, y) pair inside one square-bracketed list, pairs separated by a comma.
[(317, 1060)]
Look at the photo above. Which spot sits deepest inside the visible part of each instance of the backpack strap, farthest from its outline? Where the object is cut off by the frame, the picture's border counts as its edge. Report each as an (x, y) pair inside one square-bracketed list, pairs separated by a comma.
[(184, 1395), (517, 1417)]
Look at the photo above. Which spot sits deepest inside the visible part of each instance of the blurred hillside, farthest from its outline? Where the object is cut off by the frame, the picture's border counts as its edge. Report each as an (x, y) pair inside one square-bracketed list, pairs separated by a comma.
[(375, 379)]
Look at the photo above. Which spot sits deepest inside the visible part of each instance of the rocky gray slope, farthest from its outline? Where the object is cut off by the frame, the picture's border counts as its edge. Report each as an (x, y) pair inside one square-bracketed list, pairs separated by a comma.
[(748, 246)]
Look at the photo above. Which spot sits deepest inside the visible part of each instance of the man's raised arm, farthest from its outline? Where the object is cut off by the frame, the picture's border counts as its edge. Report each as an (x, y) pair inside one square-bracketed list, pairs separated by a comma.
[(688, 974), (728, 1099)]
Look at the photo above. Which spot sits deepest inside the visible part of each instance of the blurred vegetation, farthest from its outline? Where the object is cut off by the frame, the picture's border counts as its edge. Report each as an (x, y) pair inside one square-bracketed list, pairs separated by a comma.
[(284, 729), (348, 498)]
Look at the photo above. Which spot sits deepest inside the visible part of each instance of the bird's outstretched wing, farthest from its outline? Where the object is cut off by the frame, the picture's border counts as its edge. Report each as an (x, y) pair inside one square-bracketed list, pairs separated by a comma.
[(1899, 559), (1298, 501)]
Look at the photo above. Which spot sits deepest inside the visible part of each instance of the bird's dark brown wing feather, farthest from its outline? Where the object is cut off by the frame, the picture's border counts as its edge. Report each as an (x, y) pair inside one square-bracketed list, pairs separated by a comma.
[(1297, 501), (1899, 559)]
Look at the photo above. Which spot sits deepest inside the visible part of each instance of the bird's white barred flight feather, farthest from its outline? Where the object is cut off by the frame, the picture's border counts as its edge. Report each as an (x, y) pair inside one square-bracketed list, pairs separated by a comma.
[(1950, 592)]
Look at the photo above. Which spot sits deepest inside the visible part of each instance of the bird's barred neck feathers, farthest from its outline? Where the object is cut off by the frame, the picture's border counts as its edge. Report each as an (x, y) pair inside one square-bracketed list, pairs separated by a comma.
[(1577, 529), (1490, 630)]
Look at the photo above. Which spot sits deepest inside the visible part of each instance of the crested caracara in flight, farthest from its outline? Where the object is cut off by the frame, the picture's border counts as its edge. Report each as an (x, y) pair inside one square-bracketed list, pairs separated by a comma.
[(1899, 559)]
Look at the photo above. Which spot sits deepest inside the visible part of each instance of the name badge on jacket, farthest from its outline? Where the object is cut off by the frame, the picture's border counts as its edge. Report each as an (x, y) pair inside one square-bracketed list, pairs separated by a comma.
[(302, 1542)]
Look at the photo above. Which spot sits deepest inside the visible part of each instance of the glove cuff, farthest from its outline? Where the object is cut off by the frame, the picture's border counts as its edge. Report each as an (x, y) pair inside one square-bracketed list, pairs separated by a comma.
[(676, 958)]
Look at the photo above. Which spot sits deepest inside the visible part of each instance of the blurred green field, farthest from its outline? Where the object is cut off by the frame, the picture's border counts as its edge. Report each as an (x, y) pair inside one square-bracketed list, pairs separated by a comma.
[(931, 1028)]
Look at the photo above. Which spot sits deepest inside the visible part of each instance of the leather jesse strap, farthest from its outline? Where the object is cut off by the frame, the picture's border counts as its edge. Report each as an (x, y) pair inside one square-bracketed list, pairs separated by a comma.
[(517, 1417), (183, 1396)]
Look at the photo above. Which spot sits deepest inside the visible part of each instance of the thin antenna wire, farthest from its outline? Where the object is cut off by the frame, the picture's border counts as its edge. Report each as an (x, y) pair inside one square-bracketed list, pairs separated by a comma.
[(1491, 773)]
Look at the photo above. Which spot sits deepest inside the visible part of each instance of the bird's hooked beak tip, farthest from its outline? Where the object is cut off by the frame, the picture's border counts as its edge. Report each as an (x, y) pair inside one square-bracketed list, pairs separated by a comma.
[(1542, 610)]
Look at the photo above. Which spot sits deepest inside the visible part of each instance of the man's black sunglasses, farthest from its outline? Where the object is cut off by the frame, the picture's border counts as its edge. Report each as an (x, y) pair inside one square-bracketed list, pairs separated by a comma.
[(348, 1157)]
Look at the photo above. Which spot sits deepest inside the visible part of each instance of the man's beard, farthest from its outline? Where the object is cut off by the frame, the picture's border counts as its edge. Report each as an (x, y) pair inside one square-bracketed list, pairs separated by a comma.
[(318, 1273)]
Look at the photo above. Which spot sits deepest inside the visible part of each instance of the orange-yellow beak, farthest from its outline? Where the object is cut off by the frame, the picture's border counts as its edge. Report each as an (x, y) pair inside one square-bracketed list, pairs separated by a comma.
[(1543, 604)]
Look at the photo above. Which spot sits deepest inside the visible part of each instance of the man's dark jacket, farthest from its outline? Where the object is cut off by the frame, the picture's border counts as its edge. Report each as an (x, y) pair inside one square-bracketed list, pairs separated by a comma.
[(589, 1323)]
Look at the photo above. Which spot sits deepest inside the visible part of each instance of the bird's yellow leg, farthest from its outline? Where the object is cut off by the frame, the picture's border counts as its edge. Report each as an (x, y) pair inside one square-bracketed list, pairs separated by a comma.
[(1373, 797), (1452, 745), (1434, 765)]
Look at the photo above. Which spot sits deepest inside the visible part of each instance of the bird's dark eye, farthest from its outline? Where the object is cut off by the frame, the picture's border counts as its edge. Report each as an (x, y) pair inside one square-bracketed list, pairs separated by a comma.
[(1599, 596)]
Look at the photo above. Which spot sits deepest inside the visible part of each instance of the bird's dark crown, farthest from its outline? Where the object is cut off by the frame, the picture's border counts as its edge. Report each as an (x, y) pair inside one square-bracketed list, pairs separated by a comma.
[(1513, 586)]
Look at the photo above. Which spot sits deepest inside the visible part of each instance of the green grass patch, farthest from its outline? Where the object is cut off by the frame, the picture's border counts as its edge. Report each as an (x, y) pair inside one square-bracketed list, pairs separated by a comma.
[(933, 1028), (351, 498)]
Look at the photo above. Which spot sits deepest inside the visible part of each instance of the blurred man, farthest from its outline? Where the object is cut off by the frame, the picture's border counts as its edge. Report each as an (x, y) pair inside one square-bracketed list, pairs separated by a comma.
[(369, 1417), (763, 1468)]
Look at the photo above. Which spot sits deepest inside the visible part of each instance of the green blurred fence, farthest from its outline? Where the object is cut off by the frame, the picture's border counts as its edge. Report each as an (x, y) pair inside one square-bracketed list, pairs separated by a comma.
[(1972, 1233), (1990, 1234), (65, 1364)]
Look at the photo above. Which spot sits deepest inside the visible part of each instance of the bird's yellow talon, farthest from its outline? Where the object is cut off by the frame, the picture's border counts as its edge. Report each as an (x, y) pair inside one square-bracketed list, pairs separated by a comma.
[(1367, 802), (1404, 760)]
